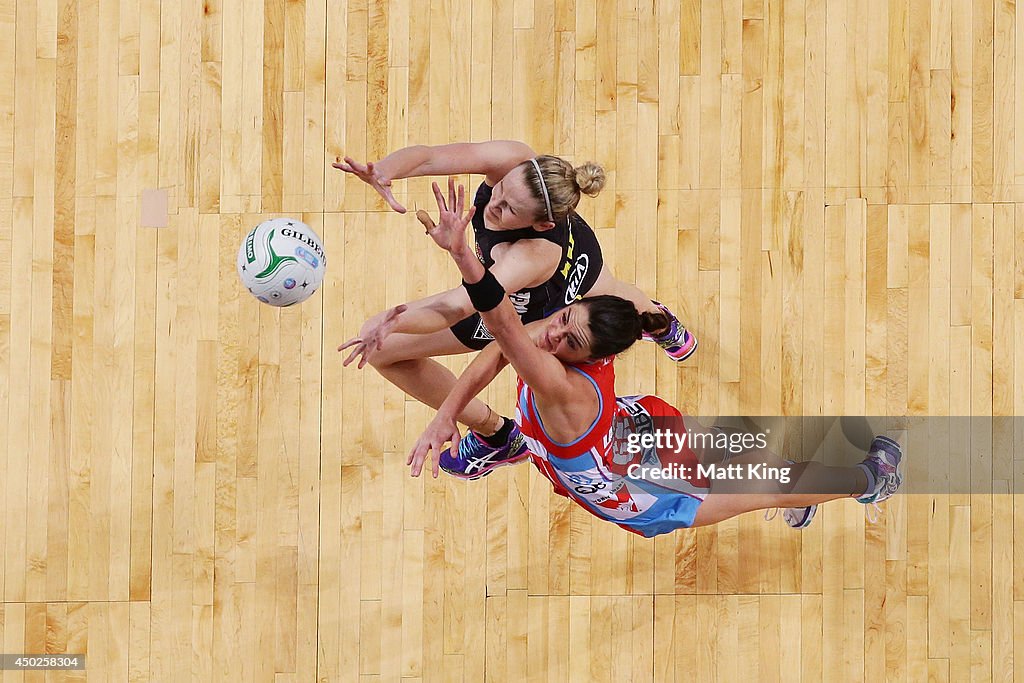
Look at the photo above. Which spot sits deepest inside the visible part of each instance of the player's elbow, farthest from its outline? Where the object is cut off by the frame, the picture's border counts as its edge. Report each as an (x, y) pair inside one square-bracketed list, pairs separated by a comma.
[(455, 306), (426, 160), (451, 315)]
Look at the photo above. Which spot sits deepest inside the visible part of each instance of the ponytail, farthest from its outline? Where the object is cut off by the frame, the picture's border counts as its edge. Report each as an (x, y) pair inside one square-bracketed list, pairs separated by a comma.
[(615, 324), (652, 322)]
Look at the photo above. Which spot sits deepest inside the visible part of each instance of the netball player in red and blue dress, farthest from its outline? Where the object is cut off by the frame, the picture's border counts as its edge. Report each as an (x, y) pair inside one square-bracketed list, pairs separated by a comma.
[(545, 255), (572, 420)]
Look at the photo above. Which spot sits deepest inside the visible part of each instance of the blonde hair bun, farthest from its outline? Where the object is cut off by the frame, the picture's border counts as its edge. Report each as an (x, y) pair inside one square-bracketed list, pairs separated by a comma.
[(590, 178)]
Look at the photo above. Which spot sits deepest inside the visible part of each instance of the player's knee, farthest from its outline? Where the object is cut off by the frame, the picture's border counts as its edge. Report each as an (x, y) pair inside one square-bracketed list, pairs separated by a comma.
[(390, 353), (382, 359)]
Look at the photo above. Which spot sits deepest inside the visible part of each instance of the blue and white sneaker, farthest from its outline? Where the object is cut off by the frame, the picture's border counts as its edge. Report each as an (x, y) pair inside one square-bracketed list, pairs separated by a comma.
[(883, 469), (476, 459), (677, 342)]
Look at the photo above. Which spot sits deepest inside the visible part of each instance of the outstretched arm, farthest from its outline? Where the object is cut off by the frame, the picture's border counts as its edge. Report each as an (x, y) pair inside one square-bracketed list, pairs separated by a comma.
[(423, 316), (443, 428), (526, 264), (491, 159), (541, 370)]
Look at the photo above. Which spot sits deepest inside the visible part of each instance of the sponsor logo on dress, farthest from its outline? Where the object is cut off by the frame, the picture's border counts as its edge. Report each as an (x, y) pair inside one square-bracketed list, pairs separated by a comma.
[(520, 301), (482, 332), (575, 279), (630, 418)]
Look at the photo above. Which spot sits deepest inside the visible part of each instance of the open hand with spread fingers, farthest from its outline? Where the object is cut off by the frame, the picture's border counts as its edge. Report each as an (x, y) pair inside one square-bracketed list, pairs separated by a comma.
[(440, 431), (449, 232), (371, 336), (369, 175)]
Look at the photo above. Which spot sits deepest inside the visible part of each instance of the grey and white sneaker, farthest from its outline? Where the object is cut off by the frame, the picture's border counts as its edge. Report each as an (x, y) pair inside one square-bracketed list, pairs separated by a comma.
[(796, 518), (882, 467), (799, 518)]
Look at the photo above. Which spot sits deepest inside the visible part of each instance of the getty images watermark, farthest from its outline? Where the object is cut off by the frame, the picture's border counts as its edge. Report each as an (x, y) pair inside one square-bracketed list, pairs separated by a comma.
[(665, 449)]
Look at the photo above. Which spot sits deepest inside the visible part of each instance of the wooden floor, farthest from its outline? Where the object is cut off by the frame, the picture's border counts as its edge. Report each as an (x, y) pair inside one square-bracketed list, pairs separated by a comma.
[(829, 192)]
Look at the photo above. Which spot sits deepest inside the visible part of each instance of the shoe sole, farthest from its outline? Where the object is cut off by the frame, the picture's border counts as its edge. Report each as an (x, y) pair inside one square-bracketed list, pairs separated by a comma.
[(689, 353)]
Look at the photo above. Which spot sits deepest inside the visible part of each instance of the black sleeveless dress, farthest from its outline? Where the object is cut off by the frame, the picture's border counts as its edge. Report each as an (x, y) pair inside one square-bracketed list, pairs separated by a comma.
[(578, 269)]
